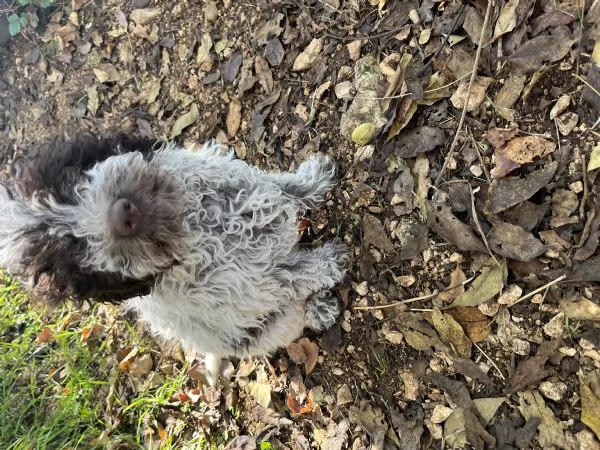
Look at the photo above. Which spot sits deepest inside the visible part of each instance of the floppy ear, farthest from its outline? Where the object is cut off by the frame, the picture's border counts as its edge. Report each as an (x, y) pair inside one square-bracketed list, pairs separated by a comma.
[(50, 264), (56, 166)]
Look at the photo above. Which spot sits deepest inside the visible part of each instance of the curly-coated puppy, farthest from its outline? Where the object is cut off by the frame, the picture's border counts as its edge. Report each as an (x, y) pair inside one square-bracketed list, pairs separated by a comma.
[(201, 245)]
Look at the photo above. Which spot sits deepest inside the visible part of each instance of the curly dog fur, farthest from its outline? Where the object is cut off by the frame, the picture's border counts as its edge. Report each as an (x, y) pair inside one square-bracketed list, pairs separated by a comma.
[(201, 245)]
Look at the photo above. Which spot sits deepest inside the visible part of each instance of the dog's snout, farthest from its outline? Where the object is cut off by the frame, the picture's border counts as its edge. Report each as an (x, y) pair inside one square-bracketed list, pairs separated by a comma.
[(125, 217)]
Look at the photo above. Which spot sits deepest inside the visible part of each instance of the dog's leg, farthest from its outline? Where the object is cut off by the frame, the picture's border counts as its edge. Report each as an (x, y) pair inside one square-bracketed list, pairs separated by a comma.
[(308, 185), (311, 273), (212, 363)]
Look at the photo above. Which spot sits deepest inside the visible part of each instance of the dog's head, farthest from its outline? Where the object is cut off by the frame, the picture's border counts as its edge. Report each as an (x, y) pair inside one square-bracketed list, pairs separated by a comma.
[(90, 219)]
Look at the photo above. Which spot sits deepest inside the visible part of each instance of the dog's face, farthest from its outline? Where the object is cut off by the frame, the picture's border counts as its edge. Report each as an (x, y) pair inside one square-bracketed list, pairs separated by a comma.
[(129, 212), (90, 219)]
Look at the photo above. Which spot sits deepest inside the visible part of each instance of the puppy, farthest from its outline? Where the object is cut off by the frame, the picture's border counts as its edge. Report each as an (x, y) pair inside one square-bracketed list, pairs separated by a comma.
[(201, 245)]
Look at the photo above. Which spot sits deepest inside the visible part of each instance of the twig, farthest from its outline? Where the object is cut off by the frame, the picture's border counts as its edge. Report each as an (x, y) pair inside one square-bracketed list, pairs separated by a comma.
[(490, 361), (392, 305), (471, 81), (540, 289), (446, 39)]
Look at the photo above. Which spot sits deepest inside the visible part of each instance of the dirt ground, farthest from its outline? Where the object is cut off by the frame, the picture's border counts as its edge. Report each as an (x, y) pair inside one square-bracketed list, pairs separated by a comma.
[(440, 344)]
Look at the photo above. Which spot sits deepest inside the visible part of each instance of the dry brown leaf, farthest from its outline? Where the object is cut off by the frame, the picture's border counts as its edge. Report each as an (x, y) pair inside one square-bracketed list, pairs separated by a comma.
[(476, 96), (456, 287), (308, 56), (525, 149), (513, 242), (551, 434), (590, 401), (264, 74), (234, 117), (444, 223), (311, 350), (531, 370), (508, 192), (473, 321), (489, 283), (451, 333), (107, 73), (144, 16), (374, 233), (582, 309)]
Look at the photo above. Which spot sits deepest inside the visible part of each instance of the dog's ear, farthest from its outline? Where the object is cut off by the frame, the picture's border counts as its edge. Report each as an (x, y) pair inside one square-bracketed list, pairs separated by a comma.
[(51, 267), (56, 166)]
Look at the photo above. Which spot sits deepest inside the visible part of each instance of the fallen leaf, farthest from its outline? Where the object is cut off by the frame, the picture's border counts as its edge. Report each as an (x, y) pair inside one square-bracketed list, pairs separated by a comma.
[(582, 309), (508, 192), (490, 282), (274, 52), (487, 407), (372, 420), (232, 66), (308, 56), (93, 101), (530, 55), (456, 287), (444, 223), (551, 433), (451, 333), (297, 409), (590, 401), (374, 233), (476, 96), (419, 140), (46, 336), (311, 350), (470, 369), (594, 162), (264, 74), (261, 393), (531, 370), (525, 149), (473, 321), (404, 113), (107, 73), (234, 117), (144, 16), (512, 241), (185, 121), (498, 137)]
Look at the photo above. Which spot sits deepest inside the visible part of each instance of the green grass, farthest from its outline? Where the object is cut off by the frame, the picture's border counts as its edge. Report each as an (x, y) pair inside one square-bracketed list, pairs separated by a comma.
[(46, 389), (53, 394)]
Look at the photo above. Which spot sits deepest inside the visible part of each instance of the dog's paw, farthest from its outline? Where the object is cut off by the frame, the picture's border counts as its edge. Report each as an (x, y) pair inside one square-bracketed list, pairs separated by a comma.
[(337, 256), (212, 364), (322, 310)]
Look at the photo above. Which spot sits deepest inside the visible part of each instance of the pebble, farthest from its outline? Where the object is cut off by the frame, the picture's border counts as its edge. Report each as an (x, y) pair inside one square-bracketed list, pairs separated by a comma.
[(362, 289), (440, 413), (555, 326), (554, 390), (346, 326), (344, 395), (510, 295)]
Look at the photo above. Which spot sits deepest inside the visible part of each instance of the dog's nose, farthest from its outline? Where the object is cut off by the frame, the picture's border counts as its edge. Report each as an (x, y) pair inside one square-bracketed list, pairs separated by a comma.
[(125, 217)]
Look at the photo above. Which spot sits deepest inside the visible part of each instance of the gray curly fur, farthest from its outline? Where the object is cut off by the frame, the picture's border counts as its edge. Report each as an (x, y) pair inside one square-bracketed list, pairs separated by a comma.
[(214, 262)]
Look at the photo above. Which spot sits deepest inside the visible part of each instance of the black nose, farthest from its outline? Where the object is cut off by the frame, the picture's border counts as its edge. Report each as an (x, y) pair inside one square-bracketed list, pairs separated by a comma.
[(124, 217)]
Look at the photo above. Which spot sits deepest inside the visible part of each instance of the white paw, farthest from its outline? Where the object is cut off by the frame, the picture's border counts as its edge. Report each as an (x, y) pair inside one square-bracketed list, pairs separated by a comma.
[(212, 364), (322, 310)]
